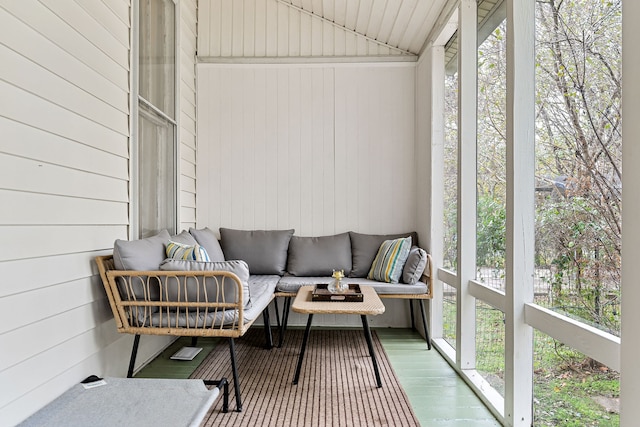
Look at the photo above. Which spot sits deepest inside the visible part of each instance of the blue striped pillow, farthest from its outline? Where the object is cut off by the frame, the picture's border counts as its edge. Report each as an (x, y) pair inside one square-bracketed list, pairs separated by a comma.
[(195, 252), (390, 259)]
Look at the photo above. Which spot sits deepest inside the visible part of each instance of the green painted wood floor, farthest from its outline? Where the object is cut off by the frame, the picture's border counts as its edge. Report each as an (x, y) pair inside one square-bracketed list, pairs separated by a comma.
[(439, 397)]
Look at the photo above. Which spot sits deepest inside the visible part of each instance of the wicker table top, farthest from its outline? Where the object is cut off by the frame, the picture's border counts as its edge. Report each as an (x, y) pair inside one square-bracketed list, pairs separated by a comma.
[(371, 304)]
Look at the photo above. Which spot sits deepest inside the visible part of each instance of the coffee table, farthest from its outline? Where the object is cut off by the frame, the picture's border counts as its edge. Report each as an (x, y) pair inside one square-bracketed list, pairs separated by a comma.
[(370, 305)]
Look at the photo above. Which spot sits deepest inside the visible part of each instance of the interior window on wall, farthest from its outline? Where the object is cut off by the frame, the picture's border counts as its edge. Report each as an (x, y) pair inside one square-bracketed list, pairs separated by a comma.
[(157, 153)]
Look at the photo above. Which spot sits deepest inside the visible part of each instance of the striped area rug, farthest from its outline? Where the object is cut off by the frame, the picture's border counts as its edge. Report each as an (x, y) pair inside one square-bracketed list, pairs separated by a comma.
[(337, 384)]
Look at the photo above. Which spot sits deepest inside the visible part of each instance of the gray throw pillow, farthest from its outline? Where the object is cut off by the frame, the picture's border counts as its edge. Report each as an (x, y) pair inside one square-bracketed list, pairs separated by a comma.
[(141, 255), (415, 265), (265, 251), (319, 256), (185, 238), (364, 248), (175, 291), (208, 240)]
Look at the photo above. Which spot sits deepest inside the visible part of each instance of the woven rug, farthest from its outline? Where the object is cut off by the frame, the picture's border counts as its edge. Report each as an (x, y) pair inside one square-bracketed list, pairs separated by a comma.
[(337, 385)]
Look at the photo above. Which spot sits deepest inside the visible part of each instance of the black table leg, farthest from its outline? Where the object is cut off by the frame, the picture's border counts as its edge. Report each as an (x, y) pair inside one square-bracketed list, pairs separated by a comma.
[(367, 335), (304, 345)]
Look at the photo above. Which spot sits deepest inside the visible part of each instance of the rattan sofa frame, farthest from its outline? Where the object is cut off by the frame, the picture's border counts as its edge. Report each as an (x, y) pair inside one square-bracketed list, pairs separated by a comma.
[(171, 313)]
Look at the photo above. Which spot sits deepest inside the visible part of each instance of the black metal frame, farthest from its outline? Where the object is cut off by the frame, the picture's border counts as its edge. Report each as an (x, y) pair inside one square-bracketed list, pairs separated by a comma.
[(232, 353), (367, 336), (287, 306), (223, 385)]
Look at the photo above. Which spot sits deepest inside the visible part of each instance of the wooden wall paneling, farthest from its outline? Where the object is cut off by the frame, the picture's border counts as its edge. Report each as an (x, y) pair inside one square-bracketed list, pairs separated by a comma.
[(38, 336), (238, 29), (208, 29), (58, 91), (46, 147), (36, 15), (43, 115), (47, 240), (33, 176), (37, 208), (121, 8), (45, 272), (295, 34), (246, 202), (226, 28), (328, 36), (38, 48), (283, 147), (295, 135), (306, 38), (272, 158), (36, 371), (272, 31), (78, 18), (325, 224), (259, 154)]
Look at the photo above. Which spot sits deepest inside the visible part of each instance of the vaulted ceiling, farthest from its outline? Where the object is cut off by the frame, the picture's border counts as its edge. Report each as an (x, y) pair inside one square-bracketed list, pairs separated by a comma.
[(399, 24)]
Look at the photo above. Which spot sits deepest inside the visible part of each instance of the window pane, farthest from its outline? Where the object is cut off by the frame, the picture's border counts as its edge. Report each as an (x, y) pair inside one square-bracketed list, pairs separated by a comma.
[(491, 161), (578, 159), (157, 54), (156, 183)]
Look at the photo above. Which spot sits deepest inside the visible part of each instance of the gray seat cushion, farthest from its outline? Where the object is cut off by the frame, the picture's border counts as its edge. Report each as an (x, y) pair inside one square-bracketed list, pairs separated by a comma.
[(208, 240), (319, 256), (364, 248), (265, 251), (261, 287), (293, 283)]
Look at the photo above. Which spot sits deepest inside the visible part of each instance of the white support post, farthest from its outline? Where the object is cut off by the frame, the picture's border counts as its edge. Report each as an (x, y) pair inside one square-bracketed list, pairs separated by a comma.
[(436, 85), (519, 261), (630, 339), (467, 148)]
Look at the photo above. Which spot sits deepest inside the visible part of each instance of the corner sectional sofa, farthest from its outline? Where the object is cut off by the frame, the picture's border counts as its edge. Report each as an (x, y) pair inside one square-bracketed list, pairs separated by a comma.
[(194, 284)]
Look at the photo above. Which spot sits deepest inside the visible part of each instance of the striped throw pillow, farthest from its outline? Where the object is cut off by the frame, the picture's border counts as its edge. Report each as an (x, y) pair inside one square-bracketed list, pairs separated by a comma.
[(195, 252), (388, 264)]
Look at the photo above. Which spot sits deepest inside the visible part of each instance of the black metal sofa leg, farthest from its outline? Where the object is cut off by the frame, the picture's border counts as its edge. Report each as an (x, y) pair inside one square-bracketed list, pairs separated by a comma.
[(234, 369), (267, 329), (424, 324), (285, 320), (134, 353)]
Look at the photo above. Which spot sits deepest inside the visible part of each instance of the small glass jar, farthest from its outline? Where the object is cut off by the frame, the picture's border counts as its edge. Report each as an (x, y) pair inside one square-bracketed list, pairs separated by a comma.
[(336, 286)]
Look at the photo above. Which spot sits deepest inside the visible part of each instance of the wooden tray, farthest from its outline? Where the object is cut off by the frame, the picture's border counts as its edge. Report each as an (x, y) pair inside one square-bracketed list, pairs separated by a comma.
[(321, 293)]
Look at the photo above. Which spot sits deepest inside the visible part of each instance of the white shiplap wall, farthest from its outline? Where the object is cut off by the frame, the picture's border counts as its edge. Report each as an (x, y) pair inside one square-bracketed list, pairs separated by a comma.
[(322, 148), (268, 28), (64, 189)]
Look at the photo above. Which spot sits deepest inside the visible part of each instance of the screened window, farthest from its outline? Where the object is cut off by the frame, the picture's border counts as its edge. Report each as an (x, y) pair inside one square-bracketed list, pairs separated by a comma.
[(156, 186)]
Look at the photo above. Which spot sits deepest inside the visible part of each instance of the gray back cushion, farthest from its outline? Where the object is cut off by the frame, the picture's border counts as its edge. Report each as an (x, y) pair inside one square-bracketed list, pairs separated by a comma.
[(364, 248), (414, 267), (142, 255), (319, 256), (176, 289), (265, 251), (208, 240)]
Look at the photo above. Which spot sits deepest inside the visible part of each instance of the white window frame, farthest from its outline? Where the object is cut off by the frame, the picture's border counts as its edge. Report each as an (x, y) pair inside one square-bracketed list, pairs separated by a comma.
[(135, 99)]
